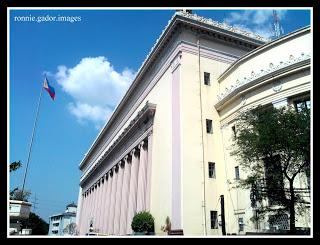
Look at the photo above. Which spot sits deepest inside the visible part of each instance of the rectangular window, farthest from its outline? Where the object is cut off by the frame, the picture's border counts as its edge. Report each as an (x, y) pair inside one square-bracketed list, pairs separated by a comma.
[(209, 126), (302, 104), (237, 172), (214, 219), (234, 131), (240, 221), (207, 78), (212, 170)]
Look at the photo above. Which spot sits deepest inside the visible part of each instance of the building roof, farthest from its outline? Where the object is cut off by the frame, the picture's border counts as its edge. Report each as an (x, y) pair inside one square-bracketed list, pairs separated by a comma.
[(195, 21), (72, 205), (63, 214), (262, 48)]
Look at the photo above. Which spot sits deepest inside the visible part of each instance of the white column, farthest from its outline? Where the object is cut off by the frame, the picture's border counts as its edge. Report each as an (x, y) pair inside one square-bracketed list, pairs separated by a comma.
[(125, 196), (102, 204), (107, 206), (94, 204), (85, 213), (132, 204), (112, 200), (142, 177), (116, 221), (99, 206), (85, 219), (149, 168), (89, 216)]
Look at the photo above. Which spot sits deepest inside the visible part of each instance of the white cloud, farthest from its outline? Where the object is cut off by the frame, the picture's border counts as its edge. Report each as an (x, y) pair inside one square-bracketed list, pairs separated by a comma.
[(95, 87), (256, 21)]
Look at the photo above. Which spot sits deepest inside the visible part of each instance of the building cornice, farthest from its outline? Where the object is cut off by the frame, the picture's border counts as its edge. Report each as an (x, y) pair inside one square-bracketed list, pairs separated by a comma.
[(261, 49), (257, 77)]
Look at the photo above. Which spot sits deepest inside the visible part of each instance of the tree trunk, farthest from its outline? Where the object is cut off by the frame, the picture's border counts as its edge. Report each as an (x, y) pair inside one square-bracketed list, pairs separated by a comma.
[(292, 210)]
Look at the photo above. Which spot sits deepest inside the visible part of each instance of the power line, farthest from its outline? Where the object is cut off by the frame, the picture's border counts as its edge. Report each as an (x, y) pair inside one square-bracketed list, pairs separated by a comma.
[(35, 203)]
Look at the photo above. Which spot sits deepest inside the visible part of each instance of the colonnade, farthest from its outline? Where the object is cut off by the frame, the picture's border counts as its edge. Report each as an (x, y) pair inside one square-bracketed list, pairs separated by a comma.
[(110, 204)]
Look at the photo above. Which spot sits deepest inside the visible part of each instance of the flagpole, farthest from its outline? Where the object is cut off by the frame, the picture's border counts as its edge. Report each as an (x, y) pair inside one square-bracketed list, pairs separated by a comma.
[(32, 136)]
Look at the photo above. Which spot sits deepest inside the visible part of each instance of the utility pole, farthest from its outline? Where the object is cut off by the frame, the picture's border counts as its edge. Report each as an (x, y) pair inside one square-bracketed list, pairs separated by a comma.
[(34, 203), (223, 222)]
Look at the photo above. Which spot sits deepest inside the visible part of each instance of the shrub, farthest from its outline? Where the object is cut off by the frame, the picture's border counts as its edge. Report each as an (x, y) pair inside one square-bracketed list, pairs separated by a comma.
[(143, 222)]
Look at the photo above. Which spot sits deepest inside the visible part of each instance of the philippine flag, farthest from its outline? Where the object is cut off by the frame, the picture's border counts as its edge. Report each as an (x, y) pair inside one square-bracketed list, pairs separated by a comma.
[(50, 89)]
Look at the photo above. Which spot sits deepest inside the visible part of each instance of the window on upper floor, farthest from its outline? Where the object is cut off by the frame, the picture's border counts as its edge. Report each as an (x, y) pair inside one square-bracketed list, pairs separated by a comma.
[(234, 131), (209, 126), (206, 78), (302, 104), (212, 170), (237, 172)]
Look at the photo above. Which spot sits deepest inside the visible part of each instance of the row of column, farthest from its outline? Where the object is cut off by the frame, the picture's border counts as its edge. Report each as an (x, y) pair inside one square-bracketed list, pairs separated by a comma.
[(109, 205)]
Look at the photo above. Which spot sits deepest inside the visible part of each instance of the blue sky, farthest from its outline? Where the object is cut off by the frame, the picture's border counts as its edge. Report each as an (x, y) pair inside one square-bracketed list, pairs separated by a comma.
[(90, 63)]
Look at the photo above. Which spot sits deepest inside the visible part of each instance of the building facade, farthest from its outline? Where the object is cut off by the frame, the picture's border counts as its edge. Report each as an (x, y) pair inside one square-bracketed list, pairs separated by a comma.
[(166, 148), (58, 222)]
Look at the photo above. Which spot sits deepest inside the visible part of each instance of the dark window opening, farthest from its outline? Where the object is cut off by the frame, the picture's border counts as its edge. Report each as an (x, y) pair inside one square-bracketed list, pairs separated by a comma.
[(234, 131), (237, 172), (302, 104), (212, 170), (214, 219), (209, 126), (207, 78)]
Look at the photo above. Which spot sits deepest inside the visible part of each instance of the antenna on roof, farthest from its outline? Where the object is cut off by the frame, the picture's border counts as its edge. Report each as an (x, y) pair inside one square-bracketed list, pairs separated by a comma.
[(189, 11), (278, 30)]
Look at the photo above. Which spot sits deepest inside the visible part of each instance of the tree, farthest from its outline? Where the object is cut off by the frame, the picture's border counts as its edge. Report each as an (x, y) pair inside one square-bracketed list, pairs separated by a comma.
[(70, 229), (14, 166), (16, 193), (143, 222), (37, 224), (273, 147)]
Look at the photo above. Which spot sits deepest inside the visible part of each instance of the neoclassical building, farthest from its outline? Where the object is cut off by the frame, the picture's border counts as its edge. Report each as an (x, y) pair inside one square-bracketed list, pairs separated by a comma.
[(166, 148)]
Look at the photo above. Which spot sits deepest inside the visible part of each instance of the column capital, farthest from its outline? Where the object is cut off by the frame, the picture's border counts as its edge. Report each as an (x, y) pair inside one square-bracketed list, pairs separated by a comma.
[(111, 172), (143, 144), (135, 151), (106, 175), (122, 163), (127, 158)]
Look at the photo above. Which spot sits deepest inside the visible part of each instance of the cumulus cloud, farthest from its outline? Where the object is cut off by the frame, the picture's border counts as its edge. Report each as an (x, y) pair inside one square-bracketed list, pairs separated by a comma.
[(95, 86), (256, 21)]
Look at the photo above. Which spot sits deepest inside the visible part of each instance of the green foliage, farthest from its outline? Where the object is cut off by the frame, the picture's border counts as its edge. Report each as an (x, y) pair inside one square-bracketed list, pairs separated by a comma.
[(17, 194), (273, 147), (37, 224), (14, 166), (143, 222)]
